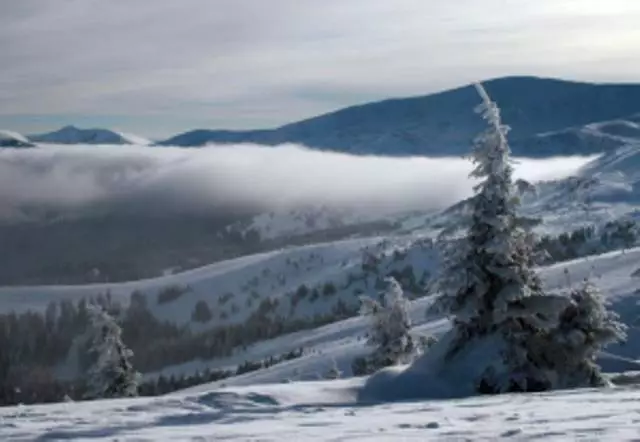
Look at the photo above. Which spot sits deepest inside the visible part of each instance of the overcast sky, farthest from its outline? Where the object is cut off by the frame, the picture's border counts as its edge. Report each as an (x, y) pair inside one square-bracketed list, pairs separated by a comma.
[(157, 67)]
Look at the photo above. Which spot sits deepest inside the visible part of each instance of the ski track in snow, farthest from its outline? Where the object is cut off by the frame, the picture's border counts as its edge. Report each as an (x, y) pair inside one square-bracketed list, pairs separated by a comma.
[(326, 411)]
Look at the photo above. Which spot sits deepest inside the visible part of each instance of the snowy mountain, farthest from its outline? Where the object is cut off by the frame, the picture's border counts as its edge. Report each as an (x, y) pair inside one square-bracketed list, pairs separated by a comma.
[(547, 117), (303, 294), (244, 312), (74, 135), (13, 139), (280, 401)]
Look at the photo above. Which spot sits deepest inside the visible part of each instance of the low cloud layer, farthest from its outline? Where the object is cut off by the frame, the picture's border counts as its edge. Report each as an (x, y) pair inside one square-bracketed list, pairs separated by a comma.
[(146, 179)]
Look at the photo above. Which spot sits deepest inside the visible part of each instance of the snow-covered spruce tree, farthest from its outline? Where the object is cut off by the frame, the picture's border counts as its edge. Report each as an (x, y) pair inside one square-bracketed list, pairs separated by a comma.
[(390, 326), (584, 328), (111, 374), (488, 285)]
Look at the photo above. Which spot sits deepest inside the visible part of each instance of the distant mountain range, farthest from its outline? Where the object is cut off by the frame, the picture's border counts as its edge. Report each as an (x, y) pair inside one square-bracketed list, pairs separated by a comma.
[(548, 117), (74, 135)]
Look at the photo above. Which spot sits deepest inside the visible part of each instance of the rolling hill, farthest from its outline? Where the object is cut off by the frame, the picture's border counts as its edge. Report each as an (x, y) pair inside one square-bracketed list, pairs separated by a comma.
[(546, 116), (74, 135), (281, 401)]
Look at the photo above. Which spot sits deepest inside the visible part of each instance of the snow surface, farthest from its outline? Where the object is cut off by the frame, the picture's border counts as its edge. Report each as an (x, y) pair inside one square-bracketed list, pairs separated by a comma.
[(328, 411)]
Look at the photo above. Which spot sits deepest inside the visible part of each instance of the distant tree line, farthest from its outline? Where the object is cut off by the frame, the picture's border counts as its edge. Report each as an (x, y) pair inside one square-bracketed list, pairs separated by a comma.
[(117, 247), (38, 349), (614, 235), (44, 388)]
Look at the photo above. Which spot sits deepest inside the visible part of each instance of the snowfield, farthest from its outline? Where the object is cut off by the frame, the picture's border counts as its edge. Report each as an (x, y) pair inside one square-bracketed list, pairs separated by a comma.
[(327, 411), (267, 406)]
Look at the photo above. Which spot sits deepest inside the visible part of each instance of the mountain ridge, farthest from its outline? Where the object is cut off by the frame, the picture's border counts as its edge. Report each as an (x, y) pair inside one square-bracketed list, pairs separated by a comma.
[(548, 117), (73, 135), (443, 124)]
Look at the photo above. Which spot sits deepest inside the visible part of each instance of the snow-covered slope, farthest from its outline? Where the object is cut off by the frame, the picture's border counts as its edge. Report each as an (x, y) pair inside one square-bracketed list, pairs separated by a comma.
[(323, 411), (343, 341), (13, 139), (443, 124), (300, 282), (74, 135), (296, 279), (248, 408), (304, 221)]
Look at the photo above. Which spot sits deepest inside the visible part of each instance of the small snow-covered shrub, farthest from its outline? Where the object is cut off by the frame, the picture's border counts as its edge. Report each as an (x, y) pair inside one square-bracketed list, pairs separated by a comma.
[(389, 330), (584, 328), (111, 374)]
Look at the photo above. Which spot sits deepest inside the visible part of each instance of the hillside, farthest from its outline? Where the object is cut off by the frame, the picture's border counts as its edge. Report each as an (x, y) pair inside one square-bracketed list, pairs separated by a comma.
[(287, 313), (290, 303), (13, 139), (74, 135), (342, 341), (247, 407), (546, 117), (310, 288), (235, 288)]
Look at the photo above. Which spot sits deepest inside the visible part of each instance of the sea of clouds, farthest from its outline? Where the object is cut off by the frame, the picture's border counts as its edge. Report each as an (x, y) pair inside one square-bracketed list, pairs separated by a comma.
[(148, 179)]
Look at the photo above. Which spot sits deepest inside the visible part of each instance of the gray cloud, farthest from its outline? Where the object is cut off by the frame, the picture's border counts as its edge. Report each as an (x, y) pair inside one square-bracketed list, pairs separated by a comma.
[(146, 179), (245, 63)]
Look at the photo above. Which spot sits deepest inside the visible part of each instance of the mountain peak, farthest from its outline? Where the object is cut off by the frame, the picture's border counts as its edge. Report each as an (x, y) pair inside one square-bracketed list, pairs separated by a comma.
[(73, 135)]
